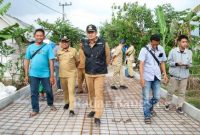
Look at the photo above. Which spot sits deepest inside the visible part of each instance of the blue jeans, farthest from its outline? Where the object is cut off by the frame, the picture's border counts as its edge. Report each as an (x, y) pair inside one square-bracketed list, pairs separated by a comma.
[(56, 68), (147, 102), (34, 85)]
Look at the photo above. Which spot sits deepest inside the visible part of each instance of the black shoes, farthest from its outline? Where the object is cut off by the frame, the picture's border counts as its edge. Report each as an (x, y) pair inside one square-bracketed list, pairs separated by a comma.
[(147, 120), (130, 76), (71, 113), (66, 106), (113, 87), (97, 121), (123, 87), (80, 92), (180, 110), (167, 108), (91, 114)]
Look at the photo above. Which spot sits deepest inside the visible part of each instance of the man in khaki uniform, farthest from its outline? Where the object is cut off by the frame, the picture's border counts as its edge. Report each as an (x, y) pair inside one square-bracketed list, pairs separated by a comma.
[(130, 59), (68, 60), (81, 71), (97, 54), (117, 62)]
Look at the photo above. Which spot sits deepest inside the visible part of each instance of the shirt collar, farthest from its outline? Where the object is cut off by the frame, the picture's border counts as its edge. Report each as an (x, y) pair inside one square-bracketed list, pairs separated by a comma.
[(178, 50), (41, 44), (67, 50), (93, 44), (150, 47), (94, 41)]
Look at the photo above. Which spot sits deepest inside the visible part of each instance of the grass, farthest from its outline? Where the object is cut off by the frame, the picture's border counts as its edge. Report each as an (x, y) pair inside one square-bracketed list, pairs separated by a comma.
[(194, 101), (192, 97)]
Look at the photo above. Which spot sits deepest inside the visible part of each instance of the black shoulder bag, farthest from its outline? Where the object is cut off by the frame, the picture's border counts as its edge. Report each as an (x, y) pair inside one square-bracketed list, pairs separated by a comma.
[(156, 59), (37, 51)]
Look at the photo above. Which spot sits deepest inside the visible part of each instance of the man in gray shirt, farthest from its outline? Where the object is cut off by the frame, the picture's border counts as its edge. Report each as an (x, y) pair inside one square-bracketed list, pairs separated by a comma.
[(180, 60), (152, 63)]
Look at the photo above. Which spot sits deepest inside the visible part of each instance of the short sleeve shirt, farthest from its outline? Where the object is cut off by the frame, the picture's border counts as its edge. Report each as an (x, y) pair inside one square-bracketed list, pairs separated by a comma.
[(39, 64), (67, 62), (118, 56), (131, 53), (151, 67)]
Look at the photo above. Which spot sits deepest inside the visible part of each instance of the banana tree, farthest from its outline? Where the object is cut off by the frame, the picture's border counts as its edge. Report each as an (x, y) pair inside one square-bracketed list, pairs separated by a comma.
[(162, 24), (5, 51), (19, 36), (5, 7), (179, 26), (192, 16)]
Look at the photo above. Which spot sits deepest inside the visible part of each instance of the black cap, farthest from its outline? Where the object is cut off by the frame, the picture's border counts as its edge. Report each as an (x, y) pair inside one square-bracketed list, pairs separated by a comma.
[(65, 39), (91, 28)]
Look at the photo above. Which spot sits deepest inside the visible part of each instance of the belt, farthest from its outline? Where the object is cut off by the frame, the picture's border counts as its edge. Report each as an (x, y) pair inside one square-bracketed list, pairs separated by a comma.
[(177, 77)]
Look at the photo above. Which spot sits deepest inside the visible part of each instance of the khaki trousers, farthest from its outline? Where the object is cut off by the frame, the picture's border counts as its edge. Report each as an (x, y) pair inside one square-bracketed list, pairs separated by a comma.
[(96, 94), (180, 86), (68, 86), (117, 76), (130, 67), (81, 78)]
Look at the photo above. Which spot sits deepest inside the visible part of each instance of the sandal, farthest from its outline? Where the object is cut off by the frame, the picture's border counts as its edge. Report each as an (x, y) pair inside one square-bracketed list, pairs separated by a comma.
[(32, 114), (53, 108), (147, 120)]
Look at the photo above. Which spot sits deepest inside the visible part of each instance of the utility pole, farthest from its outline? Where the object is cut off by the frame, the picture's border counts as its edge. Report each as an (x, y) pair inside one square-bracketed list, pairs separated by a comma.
[(63, 8)]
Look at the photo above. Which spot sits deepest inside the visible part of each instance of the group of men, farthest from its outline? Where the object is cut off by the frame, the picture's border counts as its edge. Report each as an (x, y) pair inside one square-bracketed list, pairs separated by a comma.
[(95, 57), (152, 69), (39, 67)]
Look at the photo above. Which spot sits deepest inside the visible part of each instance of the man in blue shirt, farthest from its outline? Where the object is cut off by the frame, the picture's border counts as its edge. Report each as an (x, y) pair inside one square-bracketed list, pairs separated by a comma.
[(39, 67), (150, 74)]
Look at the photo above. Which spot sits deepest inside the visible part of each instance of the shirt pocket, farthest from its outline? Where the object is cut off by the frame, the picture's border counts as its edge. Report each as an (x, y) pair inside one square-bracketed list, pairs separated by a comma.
[(71, 55), (160, 55), (59, 54)]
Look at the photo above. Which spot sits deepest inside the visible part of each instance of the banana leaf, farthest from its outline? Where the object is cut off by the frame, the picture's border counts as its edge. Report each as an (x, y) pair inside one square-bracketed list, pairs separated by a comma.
[(161, 19)]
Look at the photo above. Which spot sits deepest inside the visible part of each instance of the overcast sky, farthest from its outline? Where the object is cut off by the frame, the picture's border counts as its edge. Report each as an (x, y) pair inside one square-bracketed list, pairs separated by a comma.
[(82, 12)]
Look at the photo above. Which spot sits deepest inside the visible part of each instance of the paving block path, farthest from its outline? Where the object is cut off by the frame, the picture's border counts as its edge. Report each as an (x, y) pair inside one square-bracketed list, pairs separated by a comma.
[(123, 115)]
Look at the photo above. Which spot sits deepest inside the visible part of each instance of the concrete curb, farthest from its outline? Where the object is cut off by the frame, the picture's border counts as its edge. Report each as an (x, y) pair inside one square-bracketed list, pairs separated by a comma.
[(187, 108), (23, 92)]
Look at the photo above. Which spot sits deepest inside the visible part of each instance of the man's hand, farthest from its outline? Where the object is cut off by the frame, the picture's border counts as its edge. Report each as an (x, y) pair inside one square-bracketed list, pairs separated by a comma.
[(165, 78), (52, 80), (26, 79), (187, 66), (180, 64), (81, 46), (142, 82), (111, 62), (26, 67)]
